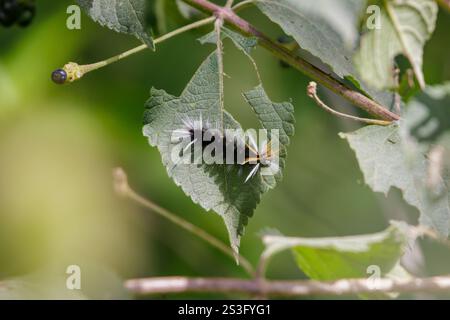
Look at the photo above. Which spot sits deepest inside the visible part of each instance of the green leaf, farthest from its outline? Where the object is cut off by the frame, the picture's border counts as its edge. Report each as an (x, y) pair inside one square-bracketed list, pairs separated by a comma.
[(124, 16), (315, 28), (327, 29), (246, 44), (218, 187), (389, 158), (428, 115), (273, 116), (427, 128), (344, 257), (326, 23), (405, 28)]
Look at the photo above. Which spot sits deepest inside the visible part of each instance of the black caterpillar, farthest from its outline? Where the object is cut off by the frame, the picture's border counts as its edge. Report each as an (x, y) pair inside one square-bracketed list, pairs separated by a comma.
[(17, 12), (245, 151)]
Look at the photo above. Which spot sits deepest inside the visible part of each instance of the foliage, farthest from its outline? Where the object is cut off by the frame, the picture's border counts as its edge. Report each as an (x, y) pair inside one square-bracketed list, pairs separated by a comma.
[(350, 55), (344, 257), (125, 16), (328, 30)]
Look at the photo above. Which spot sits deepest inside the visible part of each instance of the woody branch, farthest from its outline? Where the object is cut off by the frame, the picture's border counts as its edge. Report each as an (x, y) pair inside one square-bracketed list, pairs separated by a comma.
[(259, 287), (244, 27)]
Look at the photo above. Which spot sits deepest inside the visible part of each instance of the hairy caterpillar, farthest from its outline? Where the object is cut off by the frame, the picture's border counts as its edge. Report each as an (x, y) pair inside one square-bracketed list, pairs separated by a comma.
[(234, 147)]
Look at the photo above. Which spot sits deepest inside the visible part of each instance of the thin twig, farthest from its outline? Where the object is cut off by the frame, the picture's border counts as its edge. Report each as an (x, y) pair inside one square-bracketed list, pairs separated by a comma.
[(312, 93), (243, 5), (218, 29), (94, 66), (123, 188), (245, 28), (166, 285), (229, 3)]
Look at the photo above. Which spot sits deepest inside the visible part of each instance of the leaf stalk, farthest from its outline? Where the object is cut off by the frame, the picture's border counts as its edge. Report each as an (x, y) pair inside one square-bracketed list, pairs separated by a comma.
[(84, 69), (312, 93)]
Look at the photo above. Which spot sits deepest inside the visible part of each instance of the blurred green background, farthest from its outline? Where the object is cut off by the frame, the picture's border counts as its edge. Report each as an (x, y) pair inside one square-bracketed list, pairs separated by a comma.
[(59, 144)]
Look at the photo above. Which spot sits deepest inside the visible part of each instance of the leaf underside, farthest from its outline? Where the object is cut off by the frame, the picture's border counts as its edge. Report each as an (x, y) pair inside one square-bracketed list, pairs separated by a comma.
[(344, 257), (389, 158), (428, 116), (406, 25), (123, 16)]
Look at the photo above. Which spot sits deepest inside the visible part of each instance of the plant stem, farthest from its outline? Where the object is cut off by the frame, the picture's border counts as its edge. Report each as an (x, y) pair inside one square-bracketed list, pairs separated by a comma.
[(123, 188), (300, 64), (165, 285), (218, 29), (312, 93), (242, 5), (94, 66)]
